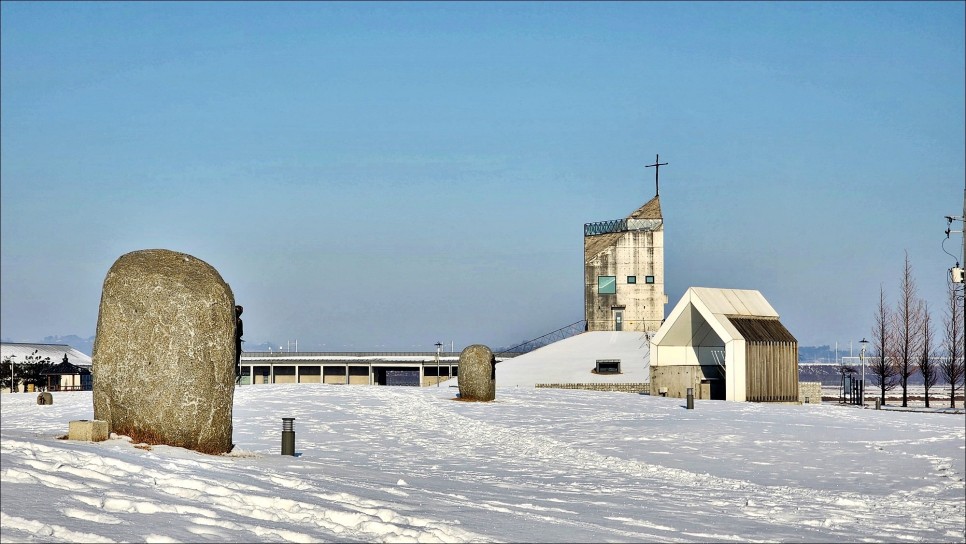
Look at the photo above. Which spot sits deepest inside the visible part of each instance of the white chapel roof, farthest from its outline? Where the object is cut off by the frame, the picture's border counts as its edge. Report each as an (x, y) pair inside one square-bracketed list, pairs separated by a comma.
[(716, 306), (734, 302)]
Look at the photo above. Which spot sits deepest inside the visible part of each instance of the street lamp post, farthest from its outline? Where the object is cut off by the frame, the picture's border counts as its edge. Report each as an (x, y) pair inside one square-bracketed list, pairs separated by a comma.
[(11, 373), (438, 346), (863, 343)]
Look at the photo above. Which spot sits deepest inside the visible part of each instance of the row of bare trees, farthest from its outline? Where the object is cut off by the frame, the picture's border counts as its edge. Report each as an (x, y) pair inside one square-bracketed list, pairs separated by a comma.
[(30, 371), (903, 341)]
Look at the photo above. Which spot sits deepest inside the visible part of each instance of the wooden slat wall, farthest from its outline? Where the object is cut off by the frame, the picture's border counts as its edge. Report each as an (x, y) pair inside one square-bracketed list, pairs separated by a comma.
[(771, 370)]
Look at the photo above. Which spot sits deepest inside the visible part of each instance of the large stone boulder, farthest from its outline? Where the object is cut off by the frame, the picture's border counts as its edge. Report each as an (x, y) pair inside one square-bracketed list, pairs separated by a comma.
[(477, 373), (164, 353)]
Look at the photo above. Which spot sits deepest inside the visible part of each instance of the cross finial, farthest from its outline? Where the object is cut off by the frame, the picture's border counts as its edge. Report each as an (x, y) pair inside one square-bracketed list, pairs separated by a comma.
[(657, 168)]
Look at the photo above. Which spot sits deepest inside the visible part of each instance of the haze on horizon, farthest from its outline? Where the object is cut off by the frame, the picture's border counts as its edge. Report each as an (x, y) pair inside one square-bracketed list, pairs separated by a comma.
[(389, 175)]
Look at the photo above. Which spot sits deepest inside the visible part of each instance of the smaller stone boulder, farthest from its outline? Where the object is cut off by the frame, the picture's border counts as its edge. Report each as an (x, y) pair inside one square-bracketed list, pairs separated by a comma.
[(87, 430), (45, 398), (477, 373)]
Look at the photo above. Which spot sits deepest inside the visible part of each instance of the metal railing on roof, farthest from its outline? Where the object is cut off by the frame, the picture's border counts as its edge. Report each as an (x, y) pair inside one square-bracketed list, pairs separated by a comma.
[(620, 225), (605, 227)]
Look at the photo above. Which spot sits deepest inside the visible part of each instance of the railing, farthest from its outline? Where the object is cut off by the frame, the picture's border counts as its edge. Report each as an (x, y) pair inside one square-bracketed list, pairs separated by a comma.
[(719, 358), (604, 227), (56, 388), (540, 341), (620, 225)]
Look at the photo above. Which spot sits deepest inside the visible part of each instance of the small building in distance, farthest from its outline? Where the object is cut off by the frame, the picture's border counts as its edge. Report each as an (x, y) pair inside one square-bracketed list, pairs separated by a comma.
[(624, 271), (726, 344), (66, 376), (22, 355)]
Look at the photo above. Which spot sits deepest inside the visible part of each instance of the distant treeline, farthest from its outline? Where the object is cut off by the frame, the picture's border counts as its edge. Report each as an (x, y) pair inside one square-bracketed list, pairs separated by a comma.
[(830, 375)]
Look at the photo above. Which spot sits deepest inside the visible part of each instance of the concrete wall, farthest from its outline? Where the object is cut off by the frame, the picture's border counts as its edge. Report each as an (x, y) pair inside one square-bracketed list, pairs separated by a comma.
[(644, 388), (284, 374), (678, 378), (359, 375), (737, 376), (634, 253), (434, 380), (810, 390), (310, 374), (333, 374)]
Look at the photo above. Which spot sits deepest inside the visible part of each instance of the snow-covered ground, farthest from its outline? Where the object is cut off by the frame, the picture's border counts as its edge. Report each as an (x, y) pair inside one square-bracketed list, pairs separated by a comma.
[(412, 464)]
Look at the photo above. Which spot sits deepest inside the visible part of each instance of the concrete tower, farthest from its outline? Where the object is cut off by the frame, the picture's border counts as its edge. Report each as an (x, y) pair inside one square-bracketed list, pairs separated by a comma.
[(624, 271)]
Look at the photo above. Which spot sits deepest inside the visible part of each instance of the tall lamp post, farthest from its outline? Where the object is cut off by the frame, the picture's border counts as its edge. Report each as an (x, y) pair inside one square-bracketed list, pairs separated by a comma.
[(863, 343), (438, 346), (11, 373)]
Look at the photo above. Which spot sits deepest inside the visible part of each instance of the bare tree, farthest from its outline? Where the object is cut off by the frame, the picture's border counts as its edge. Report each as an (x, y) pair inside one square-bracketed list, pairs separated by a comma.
[(926, 364), (883, 370), (908, 329), (952, 367)]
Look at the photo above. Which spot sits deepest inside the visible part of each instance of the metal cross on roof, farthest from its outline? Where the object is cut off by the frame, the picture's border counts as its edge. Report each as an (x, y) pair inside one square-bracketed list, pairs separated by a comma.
[(657, 168)]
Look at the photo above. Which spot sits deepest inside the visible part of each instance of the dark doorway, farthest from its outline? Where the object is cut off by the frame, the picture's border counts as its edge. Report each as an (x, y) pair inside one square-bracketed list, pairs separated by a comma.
[(396, 376)]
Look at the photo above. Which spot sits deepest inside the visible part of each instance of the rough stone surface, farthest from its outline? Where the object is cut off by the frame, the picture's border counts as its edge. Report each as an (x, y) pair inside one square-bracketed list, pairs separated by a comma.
[(164, 353), (45, 398), (622, 387), (477, 373), (87, 430), (810, 390)]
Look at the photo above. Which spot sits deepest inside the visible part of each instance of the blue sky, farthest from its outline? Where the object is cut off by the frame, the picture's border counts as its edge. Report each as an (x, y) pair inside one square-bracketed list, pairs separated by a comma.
[(385, 176)]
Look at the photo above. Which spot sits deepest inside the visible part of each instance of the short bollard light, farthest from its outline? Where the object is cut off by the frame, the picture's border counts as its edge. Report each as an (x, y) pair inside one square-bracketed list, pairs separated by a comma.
[(288, 436), (690, 398)]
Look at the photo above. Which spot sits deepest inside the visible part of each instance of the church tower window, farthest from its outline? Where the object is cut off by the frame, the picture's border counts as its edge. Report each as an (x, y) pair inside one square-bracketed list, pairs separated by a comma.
[(607, 285)]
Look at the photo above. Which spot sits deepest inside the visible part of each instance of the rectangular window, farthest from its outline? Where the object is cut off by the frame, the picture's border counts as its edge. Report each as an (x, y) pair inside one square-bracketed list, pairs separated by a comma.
[(648, 279), (607, 285), (631, 279)]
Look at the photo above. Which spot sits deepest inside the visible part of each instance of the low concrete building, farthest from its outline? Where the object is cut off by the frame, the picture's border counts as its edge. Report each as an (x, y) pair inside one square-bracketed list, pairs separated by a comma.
[(67, 376), (353, 368), (726, 344)]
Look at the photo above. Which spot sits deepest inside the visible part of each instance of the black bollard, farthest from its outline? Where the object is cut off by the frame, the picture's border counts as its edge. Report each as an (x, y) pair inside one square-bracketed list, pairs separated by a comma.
[(288, 436), (690, 398)]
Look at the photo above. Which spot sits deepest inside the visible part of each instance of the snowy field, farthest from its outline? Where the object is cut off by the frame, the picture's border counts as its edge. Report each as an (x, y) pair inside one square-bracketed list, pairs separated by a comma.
[(410, 464)]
